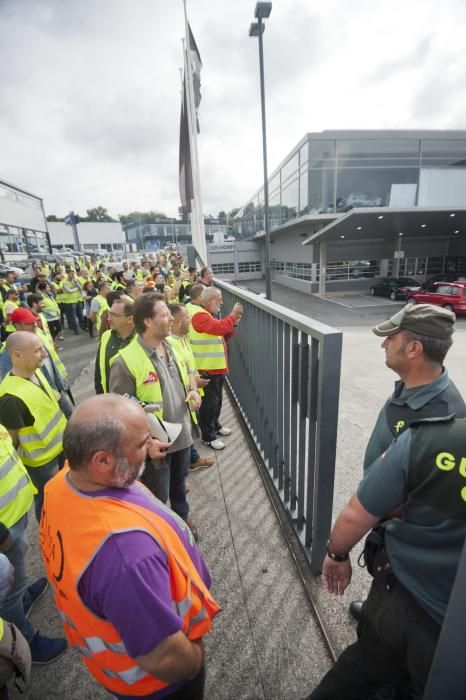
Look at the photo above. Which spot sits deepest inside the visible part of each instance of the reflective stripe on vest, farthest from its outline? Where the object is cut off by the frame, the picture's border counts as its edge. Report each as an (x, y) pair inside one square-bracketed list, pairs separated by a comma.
[(16, 488), (102, 356), (43, 441), (208, 349), (147, 382), (84, 524), (51, 308)]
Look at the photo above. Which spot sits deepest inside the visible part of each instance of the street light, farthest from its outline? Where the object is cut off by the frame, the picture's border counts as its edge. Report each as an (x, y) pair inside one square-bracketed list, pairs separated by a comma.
[(262, 11)]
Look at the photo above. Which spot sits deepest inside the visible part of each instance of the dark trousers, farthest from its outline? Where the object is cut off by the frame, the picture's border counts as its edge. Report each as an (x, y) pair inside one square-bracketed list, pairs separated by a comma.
[(55, 328), (170, 480), (71, 318), (211, 406), (396, 644)]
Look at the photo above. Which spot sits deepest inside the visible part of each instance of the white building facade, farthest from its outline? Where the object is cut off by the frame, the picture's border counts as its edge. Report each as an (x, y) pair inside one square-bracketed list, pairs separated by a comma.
[(23, 225), (92, 235)]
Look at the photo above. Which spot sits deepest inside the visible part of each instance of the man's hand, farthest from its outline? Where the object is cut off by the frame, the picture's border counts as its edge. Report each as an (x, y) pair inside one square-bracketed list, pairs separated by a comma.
[(237, 311), (336, 576), (202, 382), (157, 449), (194, 400)]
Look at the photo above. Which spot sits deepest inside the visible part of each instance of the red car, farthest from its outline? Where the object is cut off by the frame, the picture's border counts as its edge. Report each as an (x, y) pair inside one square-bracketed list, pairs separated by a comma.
[(450, 295)]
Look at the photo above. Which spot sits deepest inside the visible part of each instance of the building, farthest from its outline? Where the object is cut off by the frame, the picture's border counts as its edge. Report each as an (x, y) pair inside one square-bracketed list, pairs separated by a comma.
[(359, 204), (158, 234), (23, 225), (92, 235)]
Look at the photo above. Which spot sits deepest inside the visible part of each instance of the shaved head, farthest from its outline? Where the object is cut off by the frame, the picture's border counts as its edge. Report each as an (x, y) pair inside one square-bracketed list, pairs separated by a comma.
[(21, 340)]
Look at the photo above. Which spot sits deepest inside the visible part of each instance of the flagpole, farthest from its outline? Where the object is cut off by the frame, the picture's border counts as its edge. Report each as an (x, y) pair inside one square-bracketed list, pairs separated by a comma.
[(200, 228), (193, 215)]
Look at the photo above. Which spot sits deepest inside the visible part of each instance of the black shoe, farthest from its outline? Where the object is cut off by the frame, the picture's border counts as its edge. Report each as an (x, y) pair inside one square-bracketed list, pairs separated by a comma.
[(357, 609)]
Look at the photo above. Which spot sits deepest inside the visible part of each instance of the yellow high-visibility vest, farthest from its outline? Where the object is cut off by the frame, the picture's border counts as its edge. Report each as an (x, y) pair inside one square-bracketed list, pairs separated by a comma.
[(16, 488), (208, 349), (42, 441)]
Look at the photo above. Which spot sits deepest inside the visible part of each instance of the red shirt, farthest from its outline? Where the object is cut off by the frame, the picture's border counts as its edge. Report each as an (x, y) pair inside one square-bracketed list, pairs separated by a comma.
[(225, 327)]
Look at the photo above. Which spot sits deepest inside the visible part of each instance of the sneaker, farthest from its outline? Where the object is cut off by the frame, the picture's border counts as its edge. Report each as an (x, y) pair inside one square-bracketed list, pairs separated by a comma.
[(201, 463), (34, 593), (215, 444), (224, 431), (193, 529), (45, 650)]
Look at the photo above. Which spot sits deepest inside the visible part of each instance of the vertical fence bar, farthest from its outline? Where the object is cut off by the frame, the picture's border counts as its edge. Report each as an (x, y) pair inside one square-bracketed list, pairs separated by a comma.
[(285, 376)]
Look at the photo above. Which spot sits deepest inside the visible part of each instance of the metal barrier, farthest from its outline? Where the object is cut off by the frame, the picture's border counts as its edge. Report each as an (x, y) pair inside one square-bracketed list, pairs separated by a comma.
[(285, 378)]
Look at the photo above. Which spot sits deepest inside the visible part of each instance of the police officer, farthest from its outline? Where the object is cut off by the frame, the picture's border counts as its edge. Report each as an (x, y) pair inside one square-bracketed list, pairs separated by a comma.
[(413, 558), (416, 341)]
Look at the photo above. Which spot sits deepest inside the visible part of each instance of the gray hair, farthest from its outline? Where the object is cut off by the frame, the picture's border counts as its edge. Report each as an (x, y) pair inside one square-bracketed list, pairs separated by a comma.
[(435, 349), (208, 294), (82, 440)]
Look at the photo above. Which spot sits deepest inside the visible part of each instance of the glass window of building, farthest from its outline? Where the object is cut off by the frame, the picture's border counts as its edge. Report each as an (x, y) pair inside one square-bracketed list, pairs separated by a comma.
[(290, 200), (381, 152), (322, 154), (321, 191), (275, 211), (376, 187), (290, 168), (443, 152), (303, 193)]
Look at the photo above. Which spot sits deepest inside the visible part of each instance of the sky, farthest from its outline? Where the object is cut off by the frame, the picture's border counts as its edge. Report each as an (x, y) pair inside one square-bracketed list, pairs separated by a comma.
[(90, 90)]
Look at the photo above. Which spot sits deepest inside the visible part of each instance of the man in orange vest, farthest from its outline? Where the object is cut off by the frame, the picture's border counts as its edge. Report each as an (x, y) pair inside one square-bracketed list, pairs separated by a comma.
[(129, 581)]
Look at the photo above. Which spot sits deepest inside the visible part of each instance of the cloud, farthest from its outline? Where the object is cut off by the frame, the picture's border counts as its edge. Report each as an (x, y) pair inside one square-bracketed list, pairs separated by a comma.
[(90, 91)]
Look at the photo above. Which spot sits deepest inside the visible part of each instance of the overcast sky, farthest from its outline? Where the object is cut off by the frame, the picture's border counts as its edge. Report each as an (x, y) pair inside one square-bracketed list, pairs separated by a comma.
[(90, 90)]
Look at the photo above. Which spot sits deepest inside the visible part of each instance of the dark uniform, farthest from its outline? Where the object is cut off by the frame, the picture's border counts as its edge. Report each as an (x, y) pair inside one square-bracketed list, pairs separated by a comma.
[(439, 398), (425, 471)]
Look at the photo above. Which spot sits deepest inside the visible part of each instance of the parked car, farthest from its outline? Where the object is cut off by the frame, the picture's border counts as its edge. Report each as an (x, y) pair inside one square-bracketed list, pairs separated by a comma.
[(394, 287), (10, 268), (450, 295)]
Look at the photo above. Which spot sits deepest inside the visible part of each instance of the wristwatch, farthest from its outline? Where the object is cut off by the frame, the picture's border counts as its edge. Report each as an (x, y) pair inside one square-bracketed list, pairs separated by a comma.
[(336, 557)]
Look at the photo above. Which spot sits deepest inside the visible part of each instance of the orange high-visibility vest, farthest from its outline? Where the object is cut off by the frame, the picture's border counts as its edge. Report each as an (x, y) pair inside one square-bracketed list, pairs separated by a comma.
[(72, 530)]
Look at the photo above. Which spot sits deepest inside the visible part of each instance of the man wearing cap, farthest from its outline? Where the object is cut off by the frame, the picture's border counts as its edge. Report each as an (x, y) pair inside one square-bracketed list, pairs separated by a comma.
[(416, 341)]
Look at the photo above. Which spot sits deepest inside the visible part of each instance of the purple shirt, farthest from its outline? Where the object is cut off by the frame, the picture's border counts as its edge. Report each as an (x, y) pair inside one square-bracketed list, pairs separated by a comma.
[(128, 580)]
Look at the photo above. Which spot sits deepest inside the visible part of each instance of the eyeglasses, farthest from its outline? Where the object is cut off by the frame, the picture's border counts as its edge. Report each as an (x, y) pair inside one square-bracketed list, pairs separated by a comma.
[(112, 313)]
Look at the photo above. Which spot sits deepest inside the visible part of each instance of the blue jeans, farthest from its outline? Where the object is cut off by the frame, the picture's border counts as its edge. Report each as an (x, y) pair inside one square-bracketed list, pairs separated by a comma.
[(194, 454), (39, 477), (12, 608), (70, 313), (170, 481)]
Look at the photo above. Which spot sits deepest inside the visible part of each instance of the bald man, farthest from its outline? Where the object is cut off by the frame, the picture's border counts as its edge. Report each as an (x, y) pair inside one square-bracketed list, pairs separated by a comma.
[(128, 558), (30, 412)]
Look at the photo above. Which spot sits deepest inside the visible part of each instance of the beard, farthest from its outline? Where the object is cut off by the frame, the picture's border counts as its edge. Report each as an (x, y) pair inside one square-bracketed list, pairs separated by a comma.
[(125, 474)]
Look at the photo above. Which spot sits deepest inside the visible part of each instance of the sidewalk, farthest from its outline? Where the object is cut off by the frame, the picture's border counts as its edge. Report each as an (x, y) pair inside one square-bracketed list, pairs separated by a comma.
[(265, 644)]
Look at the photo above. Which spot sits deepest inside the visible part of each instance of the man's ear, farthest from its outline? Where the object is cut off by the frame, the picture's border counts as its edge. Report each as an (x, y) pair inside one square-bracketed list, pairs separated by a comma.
[(103, 463)]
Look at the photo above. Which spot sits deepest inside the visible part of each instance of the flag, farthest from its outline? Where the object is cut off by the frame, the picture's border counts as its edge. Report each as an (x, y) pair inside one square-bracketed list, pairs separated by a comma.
[(196, 66), (185, 168)]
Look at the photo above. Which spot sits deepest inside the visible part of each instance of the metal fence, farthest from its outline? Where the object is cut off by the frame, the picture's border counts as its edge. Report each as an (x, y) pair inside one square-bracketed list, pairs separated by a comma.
[(285, 378)]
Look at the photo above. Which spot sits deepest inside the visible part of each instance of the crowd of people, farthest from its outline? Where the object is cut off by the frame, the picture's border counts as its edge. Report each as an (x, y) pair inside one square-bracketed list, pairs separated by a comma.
[(108, 480)]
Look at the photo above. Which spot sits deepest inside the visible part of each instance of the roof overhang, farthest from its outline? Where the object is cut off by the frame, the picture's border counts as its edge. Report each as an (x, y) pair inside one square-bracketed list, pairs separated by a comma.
[(386, 222)]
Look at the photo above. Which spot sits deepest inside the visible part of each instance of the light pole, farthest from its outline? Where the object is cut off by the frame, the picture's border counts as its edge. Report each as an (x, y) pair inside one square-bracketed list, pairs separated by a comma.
[(262, 11)]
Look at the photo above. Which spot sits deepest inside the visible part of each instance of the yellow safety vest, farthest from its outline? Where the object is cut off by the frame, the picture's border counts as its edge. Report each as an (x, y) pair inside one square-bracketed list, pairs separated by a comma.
[(48, 342), (103, 306), (193, 308), (42, 441), (16, 488), (51, 307), (147, 381), (45, 327), (102, 356), (182, 346), (208, 349)]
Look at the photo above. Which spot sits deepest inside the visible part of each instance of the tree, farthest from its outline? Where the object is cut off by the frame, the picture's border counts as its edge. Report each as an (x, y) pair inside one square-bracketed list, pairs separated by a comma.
[(231, 216), (222, 218), (98, 214), (52, 217), (141, 217)]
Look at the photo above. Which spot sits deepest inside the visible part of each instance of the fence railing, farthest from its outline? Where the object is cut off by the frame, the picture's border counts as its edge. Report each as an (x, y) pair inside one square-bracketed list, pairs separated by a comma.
[(285, 378)]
